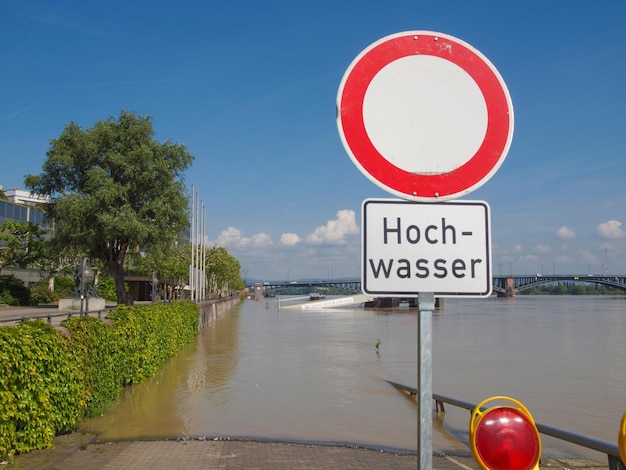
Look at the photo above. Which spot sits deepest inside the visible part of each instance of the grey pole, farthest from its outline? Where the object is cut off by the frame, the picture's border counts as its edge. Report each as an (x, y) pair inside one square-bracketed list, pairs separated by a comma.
[(426, 302), (81, 287)]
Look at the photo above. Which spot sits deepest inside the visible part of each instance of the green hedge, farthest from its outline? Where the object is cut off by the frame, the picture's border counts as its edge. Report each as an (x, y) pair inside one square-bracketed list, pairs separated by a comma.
[(12, 291), (49, 382)]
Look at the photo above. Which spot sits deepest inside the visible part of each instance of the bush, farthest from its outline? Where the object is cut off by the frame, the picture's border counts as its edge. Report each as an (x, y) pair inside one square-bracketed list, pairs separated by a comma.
[(42, 390), (7, 298), (13, 291), (49, 382), (106, 288), (41, 293), (150, 335), (94, 343), (62, 285)]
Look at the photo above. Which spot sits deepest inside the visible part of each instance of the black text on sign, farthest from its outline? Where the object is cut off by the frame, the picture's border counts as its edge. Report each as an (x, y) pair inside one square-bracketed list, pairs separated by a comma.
[(411, 247)]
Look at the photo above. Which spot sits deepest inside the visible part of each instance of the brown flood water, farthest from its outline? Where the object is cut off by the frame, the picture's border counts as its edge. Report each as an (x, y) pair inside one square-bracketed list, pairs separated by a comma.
[(285, 375), (316, 375)]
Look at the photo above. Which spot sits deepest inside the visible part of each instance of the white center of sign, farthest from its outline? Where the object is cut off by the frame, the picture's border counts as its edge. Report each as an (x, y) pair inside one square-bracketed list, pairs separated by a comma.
[(438, 114)]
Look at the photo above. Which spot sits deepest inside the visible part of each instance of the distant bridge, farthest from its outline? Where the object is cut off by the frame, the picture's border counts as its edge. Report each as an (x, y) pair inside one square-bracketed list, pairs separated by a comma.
[(272, 288), (503, 286), (508, 286)]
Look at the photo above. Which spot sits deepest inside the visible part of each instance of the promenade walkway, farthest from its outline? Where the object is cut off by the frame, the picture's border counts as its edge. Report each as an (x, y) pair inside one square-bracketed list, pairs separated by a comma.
[(41, 312), (82, 452)]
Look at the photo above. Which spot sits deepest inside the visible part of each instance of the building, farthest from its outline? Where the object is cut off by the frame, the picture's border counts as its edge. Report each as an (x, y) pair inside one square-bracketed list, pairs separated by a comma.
[(19, 207), (19, 196)]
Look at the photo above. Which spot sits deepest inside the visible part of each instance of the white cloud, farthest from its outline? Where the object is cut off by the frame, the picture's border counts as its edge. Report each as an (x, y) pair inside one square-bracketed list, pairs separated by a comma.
[(611, 229), (335, 231), (229, 237), (232, 237), (541, 248), (260, 239), (565, 233), (518, 248), (290, 239)]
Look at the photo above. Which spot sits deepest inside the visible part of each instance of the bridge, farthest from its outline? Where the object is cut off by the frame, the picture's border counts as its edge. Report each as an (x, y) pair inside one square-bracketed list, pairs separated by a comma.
[(509, 286), (270, 289), (503, 285)]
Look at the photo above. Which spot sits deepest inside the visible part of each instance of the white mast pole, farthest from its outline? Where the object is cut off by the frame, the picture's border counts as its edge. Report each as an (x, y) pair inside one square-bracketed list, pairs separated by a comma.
[(203, 251), (198, 222), (191, 239)]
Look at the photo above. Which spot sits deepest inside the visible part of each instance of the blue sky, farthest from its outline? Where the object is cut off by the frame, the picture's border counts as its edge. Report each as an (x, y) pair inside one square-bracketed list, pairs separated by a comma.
[(250, 88)]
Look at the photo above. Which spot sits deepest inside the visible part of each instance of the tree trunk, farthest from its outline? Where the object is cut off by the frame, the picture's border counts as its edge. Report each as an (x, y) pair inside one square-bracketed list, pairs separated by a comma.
[(115, 261)]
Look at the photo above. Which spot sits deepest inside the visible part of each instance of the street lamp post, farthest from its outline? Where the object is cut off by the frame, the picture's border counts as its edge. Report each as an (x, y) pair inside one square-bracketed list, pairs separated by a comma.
[(155, 282), (85, 277)]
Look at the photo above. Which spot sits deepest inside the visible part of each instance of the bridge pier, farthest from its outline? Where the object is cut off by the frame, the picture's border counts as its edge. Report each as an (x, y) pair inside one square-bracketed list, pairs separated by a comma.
[(258, 291), (509, 289)]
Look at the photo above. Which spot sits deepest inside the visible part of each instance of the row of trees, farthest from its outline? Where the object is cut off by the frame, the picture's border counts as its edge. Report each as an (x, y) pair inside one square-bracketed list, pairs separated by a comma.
[(114, 192), (571, 288)]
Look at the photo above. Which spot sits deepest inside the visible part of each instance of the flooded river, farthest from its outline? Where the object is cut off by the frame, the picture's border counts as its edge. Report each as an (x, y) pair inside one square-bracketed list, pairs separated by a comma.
[(318, 376), (287, 374)]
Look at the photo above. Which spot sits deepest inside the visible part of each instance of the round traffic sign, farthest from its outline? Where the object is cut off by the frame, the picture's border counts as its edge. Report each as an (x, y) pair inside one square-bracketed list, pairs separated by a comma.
[(424, 115)]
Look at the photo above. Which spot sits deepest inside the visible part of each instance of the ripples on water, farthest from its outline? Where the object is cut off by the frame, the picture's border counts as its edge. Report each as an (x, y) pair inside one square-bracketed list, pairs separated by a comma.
[(288, 374), (561, 356), (316, 376)]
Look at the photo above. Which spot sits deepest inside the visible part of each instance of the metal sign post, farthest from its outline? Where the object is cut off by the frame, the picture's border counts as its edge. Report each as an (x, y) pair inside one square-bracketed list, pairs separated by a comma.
[(427, 118), (426, 302)]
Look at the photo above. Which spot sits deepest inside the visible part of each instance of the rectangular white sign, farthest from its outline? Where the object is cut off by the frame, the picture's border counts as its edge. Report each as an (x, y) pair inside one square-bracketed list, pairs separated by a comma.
[(412, 247)]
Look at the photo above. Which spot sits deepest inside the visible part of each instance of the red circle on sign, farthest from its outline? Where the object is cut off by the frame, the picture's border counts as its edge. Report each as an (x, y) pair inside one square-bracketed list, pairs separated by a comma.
[(427, 186)]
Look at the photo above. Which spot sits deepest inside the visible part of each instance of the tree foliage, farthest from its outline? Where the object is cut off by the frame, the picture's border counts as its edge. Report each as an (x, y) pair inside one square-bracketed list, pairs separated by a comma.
[(23, 245), (113, 189), (171, 268), (571, 288), (223, 272)]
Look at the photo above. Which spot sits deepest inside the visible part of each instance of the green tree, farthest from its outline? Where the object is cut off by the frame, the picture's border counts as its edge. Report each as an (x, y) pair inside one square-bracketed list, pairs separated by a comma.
[(23, 245), (113, 190), (171, 267), (223, 272)]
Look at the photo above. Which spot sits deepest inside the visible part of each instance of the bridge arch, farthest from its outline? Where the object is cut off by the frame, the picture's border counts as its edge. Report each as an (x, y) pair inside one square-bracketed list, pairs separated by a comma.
[(511, 285), (271, 289), (502, 285)]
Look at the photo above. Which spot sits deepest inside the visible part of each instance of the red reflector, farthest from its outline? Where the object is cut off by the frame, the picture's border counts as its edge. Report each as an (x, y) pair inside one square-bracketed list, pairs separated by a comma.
[(506, 440)]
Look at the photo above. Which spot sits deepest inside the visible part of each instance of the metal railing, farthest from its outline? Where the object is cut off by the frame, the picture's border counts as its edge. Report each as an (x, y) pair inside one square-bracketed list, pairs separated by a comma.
[(48, 317), (611, 450)]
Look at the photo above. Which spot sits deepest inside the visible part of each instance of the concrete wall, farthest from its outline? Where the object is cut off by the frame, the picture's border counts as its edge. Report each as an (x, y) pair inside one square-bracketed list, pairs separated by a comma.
[(29, 277), (73, 304), (214, 309)]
